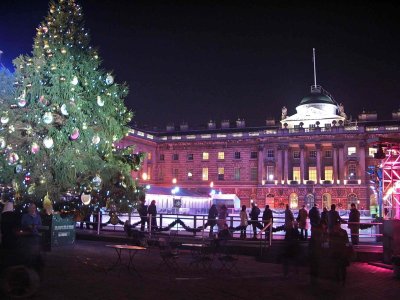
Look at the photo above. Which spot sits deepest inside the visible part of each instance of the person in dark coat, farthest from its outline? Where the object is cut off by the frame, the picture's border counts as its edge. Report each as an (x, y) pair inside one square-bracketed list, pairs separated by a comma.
[(9, 227), (152, 211), (291, 250), (333, 218), (212, 219), (354, 217), (142, 210), (314, 216), (267, 217), (339, 252), (254, 213)]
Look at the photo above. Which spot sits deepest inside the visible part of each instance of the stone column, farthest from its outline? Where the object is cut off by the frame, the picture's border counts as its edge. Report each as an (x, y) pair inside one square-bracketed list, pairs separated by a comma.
[(279, 173), (261, 171), (319, 171), (361, 165), (286, 167), (302, 165), (341, 162), (335, 163)]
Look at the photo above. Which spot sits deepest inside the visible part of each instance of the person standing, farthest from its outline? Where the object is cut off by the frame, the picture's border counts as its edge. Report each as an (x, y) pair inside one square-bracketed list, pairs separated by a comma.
[(212, 219), (289, 218), (152, 211), (222, 215), (315, 218), (254, 213), (302, 219), (267, 218), (142, 210), (333, 218), (339, 248), (244, 219), (30, 223), (354, 224), (9, 227)]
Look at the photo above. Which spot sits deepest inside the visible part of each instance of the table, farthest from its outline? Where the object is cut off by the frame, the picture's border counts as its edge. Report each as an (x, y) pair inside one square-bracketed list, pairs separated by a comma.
[(132, 250), (201, 255)]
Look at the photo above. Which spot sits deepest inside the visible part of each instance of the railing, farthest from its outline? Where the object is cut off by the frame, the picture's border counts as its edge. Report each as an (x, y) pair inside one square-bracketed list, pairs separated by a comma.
[(195, 221)]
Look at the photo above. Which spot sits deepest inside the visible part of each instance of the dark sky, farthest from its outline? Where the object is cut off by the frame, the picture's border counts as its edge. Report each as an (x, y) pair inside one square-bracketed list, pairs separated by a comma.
[(195, 61)]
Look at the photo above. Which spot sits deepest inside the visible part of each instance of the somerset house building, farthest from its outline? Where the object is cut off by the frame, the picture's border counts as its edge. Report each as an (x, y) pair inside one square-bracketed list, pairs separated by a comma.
[(313, 156)]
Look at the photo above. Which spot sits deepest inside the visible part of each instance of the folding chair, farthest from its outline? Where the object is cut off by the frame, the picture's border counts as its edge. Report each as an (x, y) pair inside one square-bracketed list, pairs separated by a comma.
[(169, 255), (226, 258)]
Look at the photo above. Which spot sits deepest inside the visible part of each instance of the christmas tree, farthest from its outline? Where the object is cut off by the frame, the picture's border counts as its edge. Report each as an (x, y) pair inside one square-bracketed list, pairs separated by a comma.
[(68, 112)]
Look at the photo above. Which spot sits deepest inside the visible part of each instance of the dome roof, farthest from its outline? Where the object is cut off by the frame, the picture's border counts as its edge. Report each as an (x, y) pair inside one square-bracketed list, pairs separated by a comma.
[(317, 95)]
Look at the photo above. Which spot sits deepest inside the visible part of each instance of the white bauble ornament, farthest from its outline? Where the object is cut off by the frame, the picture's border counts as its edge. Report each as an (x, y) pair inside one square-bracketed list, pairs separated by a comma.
[(2, 143), (74, 80), (48, 142), (100, 102), (96, 181), (84, 125), (48, 117), (13, 158), (64, 110), (109, 79), (86, 198), (35, 148), (4, 120), (18, 168), (95, 139), (75, 134), (21, 102)]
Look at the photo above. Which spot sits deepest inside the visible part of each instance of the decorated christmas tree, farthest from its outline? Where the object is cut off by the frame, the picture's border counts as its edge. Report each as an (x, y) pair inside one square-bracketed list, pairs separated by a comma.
[(59, 133)]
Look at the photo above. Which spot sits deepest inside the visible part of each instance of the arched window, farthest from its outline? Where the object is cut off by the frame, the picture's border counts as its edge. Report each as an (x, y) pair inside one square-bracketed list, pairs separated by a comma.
[(293, 200), (269, 199), (326, 200), (351, 198), (309, 201)]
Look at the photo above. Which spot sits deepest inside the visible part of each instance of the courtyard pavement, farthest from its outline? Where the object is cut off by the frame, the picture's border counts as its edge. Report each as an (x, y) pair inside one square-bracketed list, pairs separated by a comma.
[(80, 272)]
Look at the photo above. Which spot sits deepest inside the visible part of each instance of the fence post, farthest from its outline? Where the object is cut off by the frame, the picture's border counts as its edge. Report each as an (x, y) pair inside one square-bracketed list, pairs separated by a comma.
[(98, 222), (194, 224), (161, 218), (149, 219)]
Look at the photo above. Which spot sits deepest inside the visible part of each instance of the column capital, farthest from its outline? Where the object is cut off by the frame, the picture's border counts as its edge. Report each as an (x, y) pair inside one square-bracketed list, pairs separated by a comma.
[(338, 145), (283, 147)]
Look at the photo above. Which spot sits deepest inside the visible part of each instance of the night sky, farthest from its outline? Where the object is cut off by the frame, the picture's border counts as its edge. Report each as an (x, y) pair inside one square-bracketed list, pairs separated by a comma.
[(196, 61)]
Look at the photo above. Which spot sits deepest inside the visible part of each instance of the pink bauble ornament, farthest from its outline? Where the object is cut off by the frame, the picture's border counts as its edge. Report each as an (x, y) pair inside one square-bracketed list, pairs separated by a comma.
[(75, 134), (35, 148)]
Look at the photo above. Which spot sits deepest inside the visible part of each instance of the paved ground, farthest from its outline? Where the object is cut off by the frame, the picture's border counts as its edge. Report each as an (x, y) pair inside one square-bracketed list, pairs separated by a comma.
[(77, 272)]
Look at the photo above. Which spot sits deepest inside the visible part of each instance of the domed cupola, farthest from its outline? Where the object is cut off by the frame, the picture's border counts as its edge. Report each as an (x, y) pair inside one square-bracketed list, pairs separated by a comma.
[(318, 108)]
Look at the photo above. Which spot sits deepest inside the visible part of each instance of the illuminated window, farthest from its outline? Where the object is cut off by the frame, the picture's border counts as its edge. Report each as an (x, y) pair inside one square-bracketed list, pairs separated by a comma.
[(190, 156), (326, 200), (313, 153), (237, 155), (148, 172), (270, 173), (236, 174), (296, 154), (149, 155), (253, 174), (294, 200), (328, 153), (205, 155), (329, 173), (372, 151), (270, 153), (221, 155), (296, 173), (221, 172), (352, 171), (190, 174), (204, 174), (312, 173), (351, 150), (253, 155)]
